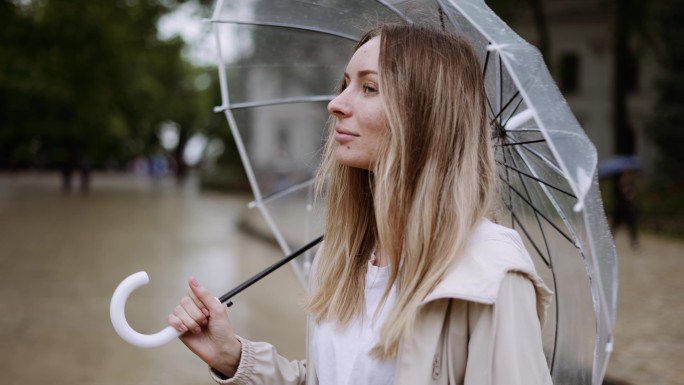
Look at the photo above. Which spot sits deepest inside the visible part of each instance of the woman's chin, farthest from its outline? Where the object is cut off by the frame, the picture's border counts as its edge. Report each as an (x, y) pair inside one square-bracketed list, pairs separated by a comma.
[(350, 160)]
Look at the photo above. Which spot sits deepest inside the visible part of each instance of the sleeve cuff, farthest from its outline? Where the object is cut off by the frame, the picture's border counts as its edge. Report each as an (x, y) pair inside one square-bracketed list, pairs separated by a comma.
[(244, 370), (219, 377)]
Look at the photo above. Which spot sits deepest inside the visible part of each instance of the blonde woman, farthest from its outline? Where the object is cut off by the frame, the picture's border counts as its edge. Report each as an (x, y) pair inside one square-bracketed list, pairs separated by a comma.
[(414, 285)]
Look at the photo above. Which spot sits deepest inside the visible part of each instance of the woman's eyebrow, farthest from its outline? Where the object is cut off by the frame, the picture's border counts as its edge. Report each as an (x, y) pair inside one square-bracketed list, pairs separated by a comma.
[(362, 73)]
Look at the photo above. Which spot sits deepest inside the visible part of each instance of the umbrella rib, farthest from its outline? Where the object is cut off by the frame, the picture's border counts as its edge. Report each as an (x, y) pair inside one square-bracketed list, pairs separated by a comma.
[(547, 161), (514, 109), (484, 74), (275, 102), (510, 100), (545, 257), (500, 83), (535, 178), (508, 144), (553, 200), (525, 130), (548, 259), (529, 237), (536, 210), (506, 106), (288, 26), (283, 193), (509, 193)]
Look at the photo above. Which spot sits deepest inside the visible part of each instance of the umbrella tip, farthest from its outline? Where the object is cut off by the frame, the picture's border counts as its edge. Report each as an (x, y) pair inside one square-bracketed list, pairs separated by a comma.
[(609, 346), (579, 206)]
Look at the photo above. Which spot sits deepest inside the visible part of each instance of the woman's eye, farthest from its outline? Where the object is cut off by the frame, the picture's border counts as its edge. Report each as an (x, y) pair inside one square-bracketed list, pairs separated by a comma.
[(369, 89)]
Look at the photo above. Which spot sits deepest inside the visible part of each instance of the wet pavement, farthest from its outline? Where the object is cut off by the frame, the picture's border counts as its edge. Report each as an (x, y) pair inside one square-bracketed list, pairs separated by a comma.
[(649, 334), (62, 255)]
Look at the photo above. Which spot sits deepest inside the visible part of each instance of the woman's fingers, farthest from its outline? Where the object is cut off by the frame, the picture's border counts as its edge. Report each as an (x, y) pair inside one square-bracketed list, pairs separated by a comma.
[(207, 299), (196, 300), (176, 323), (194, 311), (190, 307), (188, 321)]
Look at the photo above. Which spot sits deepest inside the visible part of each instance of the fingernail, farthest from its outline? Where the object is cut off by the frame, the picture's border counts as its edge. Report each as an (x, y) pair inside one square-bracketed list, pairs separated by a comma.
[(196, 330), (194, 282), (184, 328), (205, 312)]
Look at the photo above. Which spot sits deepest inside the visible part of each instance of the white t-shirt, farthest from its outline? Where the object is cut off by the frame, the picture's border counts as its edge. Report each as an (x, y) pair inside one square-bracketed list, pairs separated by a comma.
[(341, 355)]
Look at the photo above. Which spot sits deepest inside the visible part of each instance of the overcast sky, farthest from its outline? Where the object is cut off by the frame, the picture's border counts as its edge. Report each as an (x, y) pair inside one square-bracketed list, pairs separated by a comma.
[(187, 21)]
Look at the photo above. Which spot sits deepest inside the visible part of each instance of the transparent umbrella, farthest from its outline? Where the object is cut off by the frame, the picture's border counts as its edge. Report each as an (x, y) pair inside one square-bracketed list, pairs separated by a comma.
[(279, 62), (281, 58)]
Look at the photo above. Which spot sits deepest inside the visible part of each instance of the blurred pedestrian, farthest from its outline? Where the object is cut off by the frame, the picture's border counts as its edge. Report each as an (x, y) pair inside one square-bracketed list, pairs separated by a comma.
[(626, 210), (86, 169), (413, 284)]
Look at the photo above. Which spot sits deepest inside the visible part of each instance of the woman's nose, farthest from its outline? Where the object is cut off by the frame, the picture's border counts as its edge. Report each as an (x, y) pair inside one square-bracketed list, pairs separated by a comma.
[(338, 107)]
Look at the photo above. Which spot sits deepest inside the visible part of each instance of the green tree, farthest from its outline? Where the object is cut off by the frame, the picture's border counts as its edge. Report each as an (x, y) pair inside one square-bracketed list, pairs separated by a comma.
[(89, 80), (20, 86)]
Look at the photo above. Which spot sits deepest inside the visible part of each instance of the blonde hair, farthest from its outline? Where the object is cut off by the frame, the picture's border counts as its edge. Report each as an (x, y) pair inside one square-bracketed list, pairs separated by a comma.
[(432, 182)]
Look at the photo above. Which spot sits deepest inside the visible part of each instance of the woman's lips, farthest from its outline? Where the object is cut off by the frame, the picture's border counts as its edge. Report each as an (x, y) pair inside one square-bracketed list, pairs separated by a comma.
[(343, 136)]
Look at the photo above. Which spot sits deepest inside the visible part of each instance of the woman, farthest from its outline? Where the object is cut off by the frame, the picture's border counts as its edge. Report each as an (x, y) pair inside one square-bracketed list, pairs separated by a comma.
[(413, 284)]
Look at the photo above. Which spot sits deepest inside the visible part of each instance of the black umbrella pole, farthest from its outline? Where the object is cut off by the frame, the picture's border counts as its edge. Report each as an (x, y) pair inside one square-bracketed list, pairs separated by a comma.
[(256, 278)]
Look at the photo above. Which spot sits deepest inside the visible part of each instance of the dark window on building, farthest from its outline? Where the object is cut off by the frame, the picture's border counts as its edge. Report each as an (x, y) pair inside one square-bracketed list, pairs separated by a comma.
[(569, 73)]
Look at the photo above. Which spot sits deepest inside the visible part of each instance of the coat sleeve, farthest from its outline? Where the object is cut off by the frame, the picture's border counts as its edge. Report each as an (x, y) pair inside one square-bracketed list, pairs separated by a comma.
[(505, 345), (260, 364)]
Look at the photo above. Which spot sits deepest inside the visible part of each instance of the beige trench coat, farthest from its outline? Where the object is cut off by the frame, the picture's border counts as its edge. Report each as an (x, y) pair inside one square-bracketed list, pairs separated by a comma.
[(480, 326)]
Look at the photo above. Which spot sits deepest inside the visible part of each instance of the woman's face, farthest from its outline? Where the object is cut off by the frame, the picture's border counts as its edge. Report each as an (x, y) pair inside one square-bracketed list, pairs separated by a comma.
[(360, 113)]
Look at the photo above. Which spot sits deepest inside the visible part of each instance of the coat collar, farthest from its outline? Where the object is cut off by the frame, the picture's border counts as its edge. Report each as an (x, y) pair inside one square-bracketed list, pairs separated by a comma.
[(492, 251)]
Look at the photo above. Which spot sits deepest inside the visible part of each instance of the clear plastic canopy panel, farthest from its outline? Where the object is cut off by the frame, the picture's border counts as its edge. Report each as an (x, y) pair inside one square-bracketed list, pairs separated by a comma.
[(282, 61)]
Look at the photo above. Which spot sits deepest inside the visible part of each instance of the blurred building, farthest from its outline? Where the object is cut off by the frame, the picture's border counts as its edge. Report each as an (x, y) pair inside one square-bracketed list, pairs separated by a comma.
[(581, 55), (290, 76), (286, 138)]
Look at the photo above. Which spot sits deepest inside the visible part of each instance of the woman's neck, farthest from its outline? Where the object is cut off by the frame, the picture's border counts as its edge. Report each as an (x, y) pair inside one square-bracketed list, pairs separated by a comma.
[(380, 259)]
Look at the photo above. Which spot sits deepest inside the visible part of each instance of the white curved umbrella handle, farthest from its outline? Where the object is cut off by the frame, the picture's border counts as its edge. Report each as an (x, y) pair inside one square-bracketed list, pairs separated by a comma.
[(117, 313)]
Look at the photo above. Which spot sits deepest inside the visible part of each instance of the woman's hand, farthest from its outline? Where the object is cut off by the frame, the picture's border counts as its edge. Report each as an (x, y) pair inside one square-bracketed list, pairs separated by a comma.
[(207, 329)]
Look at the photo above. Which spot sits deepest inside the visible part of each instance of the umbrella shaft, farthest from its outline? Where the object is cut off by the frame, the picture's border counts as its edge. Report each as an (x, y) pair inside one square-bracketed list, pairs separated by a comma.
[(257, 277)]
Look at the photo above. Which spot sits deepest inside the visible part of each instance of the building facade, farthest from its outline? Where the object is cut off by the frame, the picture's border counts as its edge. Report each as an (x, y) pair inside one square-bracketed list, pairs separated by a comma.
[(581, 57)]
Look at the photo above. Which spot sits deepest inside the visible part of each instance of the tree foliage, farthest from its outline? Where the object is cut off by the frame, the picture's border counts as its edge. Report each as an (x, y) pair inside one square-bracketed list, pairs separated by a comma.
[(82, 79)]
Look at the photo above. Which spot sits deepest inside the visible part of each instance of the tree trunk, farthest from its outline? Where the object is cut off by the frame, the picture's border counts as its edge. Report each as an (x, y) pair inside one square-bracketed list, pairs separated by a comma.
[(542, 27), (624, 140), (181, 169)]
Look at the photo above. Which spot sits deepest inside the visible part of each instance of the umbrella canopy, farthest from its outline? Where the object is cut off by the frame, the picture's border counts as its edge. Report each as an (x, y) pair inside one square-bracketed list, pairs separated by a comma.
[(280, 61)]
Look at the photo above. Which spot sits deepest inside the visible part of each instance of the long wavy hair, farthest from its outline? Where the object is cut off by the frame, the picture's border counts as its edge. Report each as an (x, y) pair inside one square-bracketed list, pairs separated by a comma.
[(432, 182)]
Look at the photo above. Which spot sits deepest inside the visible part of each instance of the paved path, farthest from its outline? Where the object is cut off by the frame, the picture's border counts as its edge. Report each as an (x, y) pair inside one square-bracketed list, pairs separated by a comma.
[(649, 336), (61, 256)]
